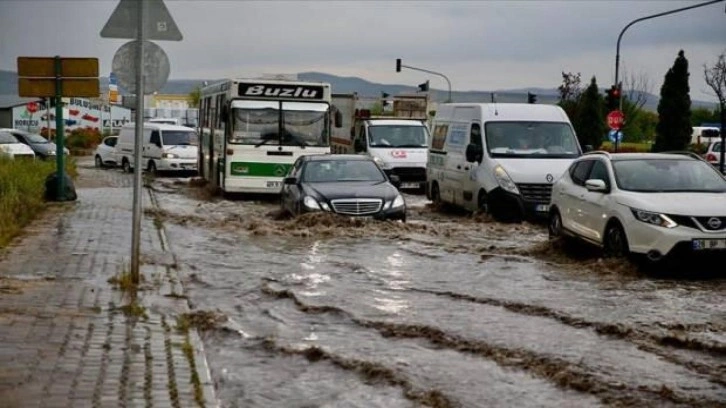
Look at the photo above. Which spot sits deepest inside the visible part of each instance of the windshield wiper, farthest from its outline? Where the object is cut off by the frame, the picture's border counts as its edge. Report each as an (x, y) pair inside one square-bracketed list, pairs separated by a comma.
[(263, 142)]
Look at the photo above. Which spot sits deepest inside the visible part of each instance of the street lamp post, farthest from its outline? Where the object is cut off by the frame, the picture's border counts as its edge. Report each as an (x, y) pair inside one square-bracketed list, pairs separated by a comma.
[(399, 65), (637, 20)]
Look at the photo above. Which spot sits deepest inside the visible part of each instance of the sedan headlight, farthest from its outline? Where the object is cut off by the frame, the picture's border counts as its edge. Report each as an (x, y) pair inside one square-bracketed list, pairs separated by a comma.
[(382, 164), (312, 204), (169, 156), (660, 220), (398, 202), (504, 180)]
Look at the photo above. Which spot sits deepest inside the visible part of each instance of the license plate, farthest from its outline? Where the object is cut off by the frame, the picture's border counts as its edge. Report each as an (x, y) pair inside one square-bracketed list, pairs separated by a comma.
[(542, 208), (410, 185), (705, 244), (189, 166), (274, 184)]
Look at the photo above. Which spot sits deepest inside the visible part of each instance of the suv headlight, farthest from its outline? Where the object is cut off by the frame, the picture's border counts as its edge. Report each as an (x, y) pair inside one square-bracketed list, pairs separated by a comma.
[(169, 156), (660, 220), (504, 180)]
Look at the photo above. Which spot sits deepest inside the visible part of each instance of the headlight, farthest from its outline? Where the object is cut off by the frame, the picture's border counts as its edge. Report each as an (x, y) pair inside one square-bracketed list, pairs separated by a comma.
[(310, 203), (504, 180), (398, 202), (660, 220), (382, 164), (51, 152), (169, 156)]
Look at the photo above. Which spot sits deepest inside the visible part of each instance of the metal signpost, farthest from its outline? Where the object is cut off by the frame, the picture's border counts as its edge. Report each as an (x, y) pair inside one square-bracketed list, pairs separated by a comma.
[(58, 77), (141, 20)]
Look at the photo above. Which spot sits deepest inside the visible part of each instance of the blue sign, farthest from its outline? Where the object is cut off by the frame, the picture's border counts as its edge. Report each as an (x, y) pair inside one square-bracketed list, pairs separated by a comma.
[(615, 133), (112, 80)]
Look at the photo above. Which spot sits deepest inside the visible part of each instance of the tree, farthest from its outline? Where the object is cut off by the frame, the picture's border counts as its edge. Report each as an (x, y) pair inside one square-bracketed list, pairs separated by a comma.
[(590, 124), (715, 77), (195, 95), (570, 91), (636, 89), (673, 131)]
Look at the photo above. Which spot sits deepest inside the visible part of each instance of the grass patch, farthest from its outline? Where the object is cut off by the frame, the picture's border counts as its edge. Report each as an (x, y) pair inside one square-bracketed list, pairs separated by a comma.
[(22, 187), (123, 280)]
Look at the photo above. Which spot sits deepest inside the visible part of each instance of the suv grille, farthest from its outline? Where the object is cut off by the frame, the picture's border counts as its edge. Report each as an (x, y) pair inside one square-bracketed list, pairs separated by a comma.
[(700, 223), (357, 206), (536, 193)]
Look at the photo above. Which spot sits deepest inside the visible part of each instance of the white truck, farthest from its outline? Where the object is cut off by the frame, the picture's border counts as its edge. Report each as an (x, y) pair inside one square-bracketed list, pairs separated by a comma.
[(398, 143)]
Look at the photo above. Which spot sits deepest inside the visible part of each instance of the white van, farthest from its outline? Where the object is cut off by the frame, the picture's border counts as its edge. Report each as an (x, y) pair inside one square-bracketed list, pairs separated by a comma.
[(165, 121), (501, 158), (165, 148)]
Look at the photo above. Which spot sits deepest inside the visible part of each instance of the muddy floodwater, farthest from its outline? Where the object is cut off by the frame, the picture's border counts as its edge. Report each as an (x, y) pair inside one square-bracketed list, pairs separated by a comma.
[(446, 310)]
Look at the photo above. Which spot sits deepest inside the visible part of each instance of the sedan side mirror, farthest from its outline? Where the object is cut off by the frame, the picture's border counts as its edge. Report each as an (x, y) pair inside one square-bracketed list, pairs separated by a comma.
[(596, 185), (289, 180), (395, 180)]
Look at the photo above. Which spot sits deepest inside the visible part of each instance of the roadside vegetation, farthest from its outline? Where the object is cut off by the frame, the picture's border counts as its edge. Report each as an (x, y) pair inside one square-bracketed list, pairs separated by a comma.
[(22, 187)]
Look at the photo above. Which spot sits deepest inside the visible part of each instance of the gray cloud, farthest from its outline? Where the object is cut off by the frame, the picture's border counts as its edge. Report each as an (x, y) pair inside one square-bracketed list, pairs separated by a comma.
[(479, 44)]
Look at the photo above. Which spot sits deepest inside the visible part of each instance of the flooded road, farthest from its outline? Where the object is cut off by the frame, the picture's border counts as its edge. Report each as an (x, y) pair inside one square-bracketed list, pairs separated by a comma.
[(446, 310)]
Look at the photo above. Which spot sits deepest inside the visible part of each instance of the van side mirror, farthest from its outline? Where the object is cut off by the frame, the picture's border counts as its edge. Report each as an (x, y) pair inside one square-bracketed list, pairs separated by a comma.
[(338, 119), (359, 145), (395, 180), (289, 180), (474, 153)]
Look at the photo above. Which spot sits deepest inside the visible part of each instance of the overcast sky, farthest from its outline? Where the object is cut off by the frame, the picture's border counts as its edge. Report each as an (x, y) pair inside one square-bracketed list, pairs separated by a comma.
[(479, 45)]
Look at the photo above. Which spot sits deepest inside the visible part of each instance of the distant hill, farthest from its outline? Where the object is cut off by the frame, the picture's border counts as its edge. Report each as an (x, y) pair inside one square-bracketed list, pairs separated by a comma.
[(340, 84)]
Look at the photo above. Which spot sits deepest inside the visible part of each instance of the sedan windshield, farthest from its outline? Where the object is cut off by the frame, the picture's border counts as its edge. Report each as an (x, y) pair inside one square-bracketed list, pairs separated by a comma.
[(179, 137), (7, 138), (668, 175), (342, 170), (531, 139), (397, 136), (34, 138)]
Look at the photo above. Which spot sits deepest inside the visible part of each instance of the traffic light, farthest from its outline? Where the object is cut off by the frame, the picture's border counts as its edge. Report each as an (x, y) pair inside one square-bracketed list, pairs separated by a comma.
[(398, 65), (424, 87), (612, 99), (531, 98), (384, 101)]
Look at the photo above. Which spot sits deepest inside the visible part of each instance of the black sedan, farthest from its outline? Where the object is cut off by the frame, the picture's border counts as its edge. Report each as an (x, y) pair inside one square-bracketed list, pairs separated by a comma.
[(351, 185)]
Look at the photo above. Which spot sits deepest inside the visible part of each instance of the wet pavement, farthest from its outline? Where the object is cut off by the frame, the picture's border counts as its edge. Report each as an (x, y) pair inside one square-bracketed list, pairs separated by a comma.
[(446, 310)]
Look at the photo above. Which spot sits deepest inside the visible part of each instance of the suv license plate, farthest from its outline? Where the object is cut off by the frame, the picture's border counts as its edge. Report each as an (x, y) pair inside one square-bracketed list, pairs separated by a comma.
[(274, 184), (704, 244)]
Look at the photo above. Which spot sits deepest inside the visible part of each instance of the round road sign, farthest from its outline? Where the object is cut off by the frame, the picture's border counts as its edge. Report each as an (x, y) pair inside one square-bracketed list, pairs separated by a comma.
[(31, 107), (156, 67), (615, 119)]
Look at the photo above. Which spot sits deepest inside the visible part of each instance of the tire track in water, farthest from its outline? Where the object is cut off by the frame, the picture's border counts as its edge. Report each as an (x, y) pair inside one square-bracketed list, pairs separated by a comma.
[(646, 341), (563, 373), (370, 372)]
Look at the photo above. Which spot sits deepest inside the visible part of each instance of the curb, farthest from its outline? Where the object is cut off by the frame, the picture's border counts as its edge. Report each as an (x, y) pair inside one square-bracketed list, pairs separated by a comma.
[(199, 354)]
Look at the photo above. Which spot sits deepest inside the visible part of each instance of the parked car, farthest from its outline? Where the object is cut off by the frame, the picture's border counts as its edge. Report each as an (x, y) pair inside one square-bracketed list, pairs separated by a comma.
[(650, 204), (42, 147), (11, 147), (713, 153), (345, 184), (105, 154)]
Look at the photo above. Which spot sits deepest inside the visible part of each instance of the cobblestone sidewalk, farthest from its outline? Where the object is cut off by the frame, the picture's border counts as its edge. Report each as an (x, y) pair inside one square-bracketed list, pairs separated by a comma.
[(68, 338)]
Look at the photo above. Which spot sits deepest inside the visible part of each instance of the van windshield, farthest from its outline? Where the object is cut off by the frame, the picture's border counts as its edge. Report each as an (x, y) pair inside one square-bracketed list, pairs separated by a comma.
[(531, 139), (179, 137), (397, 136)]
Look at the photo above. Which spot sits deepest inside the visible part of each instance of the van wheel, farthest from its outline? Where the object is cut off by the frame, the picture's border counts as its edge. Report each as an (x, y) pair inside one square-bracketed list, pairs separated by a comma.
[(152, 168), (98, 162), (126, 166), (435, 195), (481, 201)]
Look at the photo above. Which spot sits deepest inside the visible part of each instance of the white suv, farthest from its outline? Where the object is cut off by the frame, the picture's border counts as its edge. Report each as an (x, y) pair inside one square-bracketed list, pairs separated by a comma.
[(651, 204)]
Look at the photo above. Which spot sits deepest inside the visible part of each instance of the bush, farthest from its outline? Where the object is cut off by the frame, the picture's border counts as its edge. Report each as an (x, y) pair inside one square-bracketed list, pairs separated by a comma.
[(83, 138), (22, 187), (627, 147)]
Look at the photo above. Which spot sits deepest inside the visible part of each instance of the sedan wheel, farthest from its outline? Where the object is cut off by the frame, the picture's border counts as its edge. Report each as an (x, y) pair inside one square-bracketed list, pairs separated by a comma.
[(127, 166), (98, 162)]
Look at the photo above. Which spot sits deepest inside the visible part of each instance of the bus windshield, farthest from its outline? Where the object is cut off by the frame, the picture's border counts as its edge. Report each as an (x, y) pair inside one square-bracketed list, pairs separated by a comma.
[(280, 123), (531, 139)]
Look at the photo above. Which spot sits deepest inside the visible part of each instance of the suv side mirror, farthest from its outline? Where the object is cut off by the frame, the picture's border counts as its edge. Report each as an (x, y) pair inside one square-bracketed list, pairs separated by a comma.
[(289, 180), (596, 185), (395, 180), (474, 153), (338, 119)]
